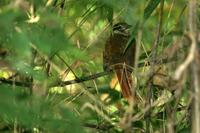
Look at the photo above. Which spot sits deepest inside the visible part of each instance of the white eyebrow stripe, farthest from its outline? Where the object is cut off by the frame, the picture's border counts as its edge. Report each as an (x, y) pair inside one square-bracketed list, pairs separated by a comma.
[(117, 27)]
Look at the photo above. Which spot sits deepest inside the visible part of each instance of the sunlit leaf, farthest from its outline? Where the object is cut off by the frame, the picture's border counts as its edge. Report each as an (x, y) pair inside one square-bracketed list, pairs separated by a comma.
[(150, 8)]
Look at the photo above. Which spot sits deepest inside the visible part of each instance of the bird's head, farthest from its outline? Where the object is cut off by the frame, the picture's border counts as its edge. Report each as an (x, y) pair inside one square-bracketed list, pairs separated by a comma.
[(122, 28)]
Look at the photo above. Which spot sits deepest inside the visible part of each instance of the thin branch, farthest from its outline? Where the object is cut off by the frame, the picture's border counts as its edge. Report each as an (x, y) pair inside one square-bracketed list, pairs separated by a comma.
[(194, 59), (80, 79), (154, 57), (17, 83), (60, 83), (76, 80), (179, 71), (69, 67)]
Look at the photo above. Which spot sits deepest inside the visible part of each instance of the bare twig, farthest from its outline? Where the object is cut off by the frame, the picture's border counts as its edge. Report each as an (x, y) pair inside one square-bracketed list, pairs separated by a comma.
[(81, 79), (69, 67), (17, 83), (179, 71)]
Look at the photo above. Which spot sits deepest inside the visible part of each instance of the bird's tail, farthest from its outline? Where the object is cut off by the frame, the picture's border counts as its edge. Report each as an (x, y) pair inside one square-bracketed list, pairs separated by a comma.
[(126, 82)]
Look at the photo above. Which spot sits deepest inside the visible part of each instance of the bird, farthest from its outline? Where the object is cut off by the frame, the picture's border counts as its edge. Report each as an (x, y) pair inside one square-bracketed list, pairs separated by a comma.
[(119, 56)]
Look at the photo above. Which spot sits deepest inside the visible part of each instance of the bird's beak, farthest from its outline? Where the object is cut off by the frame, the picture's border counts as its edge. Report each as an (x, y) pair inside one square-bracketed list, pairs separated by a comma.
[(128, 30), (129, 26)]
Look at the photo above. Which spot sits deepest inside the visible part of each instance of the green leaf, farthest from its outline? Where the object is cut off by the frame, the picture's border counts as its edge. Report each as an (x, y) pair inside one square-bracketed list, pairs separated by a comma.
[(132, 38), (29, 111), (150, 8)]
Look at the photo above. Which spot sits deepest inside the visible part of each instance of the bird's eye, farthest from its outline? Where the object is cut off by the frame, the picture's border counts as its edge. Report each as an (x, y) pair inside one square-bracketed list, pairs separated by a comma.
[(119, 28), (122, 28)]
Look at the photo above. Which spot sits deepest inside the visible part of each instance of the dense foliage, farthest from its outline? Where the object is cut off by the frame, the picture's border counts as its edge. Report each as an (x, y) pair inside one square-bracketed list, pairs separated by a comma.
[(51, 69)]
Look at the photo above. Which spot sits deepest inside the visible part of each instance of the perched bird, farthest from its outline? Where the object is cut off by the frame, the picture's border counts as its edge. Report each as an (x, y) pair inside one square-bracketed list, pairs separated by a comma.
[(120, 58)]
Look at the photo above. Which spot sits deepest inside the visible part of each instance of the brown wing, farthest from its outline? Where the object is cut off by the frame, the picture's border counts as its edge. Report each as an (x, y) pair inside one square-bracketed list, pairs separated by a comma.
[(129, 56), (113, 53)]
